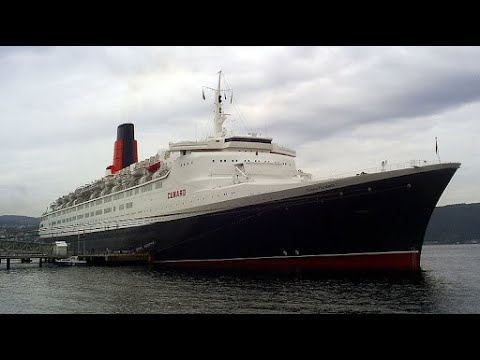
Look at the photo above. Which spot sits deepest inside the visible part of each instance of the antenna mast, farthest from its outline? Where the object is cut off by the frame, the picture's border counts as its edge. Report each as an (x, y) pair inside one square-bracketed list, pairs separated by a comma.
[(219, 115)]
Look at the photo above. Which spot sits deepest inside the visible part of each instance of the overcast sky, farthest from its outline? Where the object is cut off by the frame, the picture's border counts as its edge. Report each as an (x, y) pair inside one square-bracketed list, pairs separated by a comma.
[(342, 109)]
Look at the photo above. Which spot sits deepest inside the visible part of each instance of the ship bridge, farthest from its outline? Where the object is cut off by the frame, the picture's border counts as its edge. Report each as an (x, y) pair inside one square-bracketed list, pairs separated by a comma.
[(233, 143)]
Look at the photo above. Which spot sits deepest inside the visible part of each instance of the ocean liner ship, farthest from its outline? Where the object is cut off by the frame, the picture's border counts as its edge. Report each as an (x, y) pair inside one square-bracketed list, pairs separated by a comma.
[(238, 201)]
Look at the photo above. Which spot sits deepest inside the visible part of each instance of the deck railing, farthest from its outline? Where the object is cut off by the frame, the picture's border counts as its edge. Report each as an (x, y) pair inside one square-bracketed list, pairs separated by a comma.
[(385, 166)]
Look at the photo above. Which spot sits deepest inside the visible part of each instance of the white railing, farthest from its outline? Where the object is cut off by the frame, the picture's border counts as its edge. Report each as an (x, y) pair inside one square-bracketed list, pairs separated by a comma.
[(385, 166)]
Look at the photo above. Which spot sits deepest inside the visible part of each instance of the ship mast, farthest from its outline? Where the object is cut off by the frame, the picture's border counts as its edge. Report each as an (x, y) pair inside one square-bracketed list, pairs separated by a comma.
[(219, 115)]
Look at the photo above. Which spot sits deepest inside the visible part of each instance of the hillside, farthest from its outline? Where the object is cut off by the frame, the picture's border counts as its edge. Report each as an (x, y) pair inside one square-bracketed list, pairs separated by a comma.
[(17, 220), (454, 223), (21, 228)]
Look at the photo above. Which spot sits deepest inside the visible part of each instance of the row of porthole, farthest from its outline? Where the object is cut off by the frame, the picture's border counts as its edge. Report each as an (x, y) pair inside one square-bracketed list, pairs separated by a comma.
[(286, 253), (245, 161), (370, 189), (98, 222), (341, 194), (92, 214)]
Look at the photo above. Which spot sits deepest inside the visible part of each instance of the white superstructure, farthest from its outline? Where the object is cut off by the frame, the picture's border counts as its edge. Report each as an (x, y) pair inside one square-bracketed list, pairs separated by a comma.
[(188, 179)]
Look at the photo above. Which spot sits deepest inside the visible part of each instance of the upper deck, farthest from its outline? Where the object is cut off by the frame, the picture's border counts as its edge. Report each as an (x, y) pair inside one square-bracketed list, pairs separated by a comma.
[(233, 143)]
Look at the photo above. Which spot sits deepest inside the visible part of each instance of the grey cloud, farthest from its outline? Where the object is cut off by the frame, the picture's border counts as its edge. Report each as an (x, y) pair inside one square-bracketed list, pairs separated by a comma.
[(59, 106)]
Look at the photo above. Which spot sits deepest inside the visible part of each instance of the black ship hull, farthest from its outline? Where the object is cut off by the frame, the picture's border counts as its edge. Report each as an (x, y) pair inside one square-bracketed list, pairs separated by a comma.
[(373, 225)]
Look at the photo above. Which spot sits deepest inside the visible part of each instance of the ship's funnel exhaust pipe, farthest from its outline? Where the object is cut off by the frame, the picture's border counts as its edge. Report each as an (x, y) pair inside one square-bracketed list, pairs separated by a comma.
[(125, 149)]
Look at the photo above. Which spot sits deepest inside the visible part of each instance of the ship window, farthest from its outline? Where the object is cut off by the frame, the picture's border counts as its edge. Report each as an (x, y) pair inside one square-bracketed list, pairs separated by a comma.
[(256, 152), (137, 191), (121, 207), (92, 214), (87, 206), (80, 217), (74, 218), (63, 220), (98, 212), (146, 188), (114, 208), (121, 196), (184, 152), (80, 207), (108, 199), (129, 192), (129, 205), (87, 215), (213, 160), (107, 210), (158, 185)]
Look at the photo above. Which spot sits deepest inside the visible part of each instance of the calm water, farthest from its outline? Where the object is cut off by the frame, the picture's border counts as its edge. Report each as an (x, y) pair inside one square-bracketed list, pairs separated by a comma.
[(449, 283)]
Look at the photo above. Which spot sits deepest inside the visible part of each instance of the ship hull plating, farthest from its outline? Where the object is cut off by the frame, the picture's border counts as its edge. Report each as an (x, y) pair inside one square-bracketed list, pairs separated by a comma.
[(372, 225)]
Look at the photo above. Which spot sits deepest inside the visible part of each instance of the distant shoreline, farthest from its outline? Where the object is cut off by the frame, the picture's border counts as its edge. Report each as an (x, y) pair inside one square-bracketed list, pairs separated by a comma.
[(473, 242)]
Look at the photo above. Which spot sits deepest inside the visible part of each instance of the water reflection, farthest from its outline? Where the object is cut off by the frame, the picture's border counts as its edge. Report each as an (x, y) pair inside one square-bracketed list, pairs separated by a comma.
[(443, 287), (311, 293)]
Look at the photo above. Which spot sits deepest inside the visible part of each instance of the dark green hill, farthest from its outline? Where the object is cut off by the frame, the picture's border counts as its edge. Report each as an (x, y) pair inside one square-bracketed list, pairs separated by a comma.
[(17, 220), (454, 223)]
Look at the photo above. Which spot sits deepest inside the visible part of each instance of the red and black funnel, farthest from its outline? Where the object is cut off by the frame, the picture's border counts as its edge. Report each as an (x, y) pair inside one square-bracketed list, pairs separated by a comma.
[(125, 148)]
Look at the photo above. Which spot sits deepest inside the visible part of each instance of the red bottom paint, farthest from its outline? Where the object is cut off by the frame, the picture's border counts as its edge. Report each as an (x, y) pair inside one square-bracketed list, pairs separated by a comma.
[(370, 261)]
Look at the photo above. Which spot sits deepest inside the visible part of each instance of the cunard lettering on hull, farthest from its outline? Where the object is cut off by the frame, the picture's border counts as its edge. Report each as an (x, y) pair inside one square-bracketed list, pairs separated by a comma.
[(178, 193), (247, 205)]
